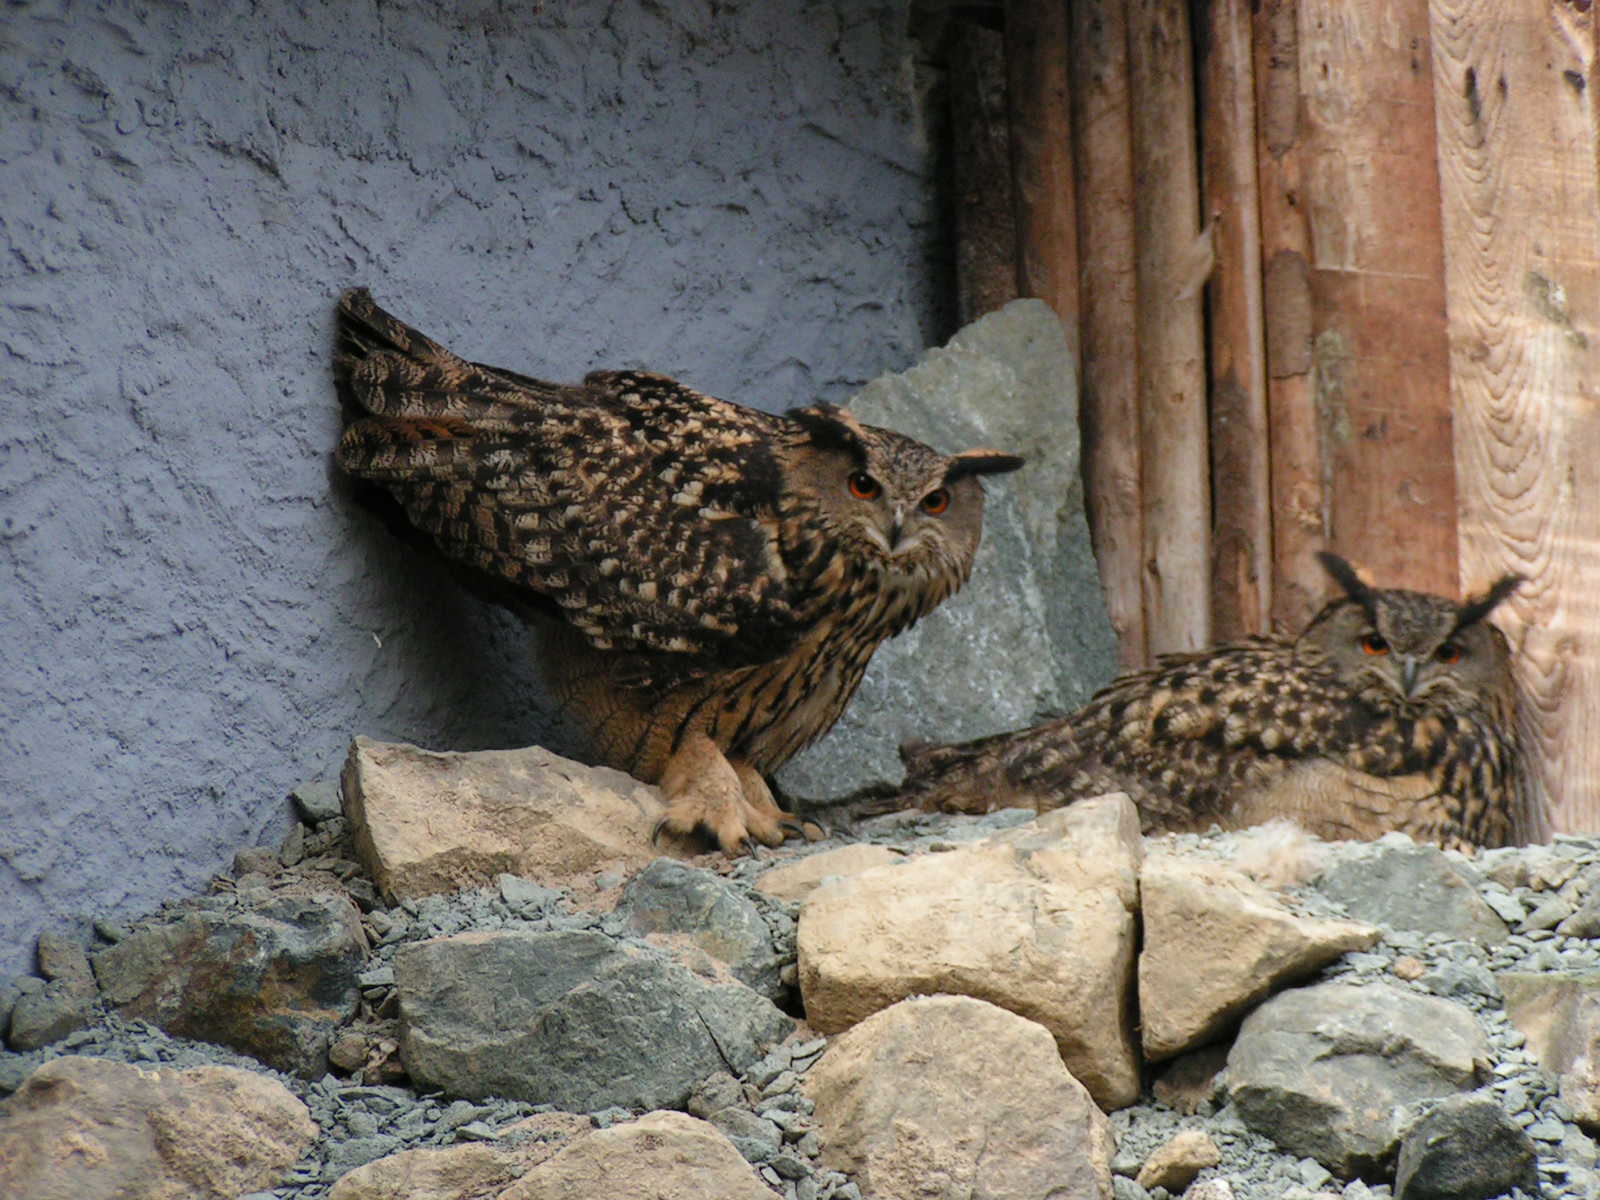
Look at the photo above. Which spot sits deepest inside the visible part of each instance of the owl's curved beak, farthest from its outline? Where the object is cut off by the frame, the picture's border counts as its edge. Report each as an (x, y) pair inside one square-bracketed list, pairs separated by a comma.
[(1408, 673)]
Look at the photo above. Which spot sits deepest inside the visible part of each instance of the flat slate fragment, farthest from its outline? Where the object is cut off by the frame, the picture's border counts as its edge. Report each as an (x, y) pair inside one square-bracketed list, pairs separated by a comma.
[(573, 1019)]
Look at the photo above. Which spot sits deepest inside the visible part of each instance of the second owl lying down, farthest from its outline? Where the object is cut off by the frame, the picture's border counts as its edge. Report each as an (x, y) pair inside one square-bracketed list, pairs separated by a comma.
[(1392, 710), (724, 574)]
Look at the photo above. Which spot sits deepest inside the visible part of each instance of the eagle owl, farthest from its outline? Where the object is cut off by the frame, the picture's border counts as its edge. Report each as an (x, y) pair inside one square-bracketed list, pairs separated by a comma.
[(1392, 710), (719, 576)]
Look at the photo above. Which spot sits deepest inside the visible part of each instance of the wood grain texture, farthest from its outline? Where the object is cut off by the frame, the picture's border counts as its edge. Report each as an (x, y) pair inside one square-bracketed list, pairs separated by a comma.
[(985, 216), (1370, 191), (1300, 518), (1172, 371), (1041, 154), (1102, 135), (1240, 440), (1514, 84)]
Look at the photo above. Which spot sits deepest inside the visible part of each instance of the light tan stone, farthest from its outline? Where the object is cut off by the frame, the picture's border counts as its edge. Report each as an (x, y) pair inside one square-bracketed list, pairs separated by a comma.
[(1039, 921), (466, 1171), (798, 879), (946, 1096), (1174, 1164), (89, 1129), (1215, 944), (1559, 1013), (678, 1156), (428, 822)]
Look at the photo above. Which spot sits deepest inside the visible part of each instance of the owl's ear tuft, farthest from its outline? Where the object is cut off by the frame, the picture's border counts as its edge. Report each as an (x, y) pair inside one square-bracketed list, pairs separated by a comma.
[(1345, 576), (831, 427), (981, 462), (1476, 608)]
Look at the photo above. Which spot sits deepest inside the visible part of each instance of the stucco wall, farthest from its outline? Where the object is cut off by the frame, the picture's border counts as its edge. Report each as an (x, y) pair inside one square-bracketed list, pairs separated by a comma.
[(196, 617)]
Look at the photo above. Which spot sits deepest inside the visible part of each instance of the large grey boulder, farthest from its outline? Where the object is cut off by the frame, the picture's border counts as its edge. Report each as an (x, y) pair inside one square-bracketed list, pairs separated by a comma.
[(274, 977), (46, 1010), (1325, 1071), (1465, 1148), (1028, 635), (1400, 885), (691, 906), (573, 1019)]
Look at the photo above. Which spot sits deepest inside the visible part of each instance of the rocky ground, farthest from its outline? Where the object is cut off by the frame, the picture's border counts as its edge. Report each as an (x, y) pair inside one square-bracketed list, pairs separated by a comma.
[(1263, 1017)]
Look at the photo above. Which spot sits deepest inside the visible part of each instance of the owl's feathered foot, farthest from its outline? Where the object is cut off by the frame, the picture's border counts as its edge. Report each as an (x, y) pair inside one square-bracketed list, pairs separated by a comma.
[(727, 800)]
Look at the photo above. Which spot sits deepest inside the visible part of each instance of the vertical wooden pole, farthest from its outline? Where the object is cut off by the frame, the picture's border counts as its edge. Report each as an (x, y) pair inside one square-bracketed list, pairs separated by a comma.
[(1514, 88), (985, 216), (1299, 515), (1041, 154), (1172, 393), (1103, 135), (1240, 459), (1380, 382)]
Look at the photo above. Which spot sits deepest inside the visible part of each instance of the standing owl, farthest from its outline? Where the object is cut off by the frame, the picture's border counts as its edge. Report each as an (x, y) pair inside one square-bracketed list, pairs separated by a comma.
[(1392, 710), (719, 576)]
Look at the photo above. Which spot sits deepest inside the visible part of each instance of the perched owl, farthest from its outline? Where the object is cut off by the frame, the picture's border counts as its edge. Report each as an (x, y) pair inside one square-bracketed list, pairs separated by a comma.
[(1393, 710), (720, 575)]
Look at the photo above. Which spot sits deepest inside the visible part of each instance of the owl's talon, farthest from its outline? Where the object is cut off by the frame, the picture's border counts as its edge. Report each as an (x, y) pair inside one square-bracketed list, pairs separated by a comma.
[(802, 827)]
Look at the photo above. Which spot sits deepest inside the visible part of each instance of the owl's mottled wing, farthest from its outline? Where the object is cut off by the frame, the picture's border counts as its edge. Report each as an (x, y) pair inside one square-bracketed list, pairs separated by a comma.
[(1182, 737), (643, 509)]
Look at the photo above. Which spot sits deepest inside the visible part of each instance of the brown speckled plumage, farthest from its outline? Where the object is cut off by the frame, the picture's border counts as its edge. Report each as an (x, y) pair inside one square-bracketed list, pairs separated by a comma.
[(1392, 710), (723, 574)]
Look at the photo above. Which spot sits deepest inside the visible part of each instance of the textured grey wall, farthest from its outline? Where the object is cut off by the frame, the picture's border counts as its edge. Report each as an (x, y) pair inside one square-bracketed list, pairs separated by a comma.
[(196, 617)]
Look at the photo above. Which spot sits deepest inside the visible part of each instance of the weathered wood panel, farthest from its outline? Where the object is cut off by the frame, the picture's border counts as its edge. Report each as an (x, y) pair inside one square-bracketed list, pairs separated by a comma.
[(1514, 84), (1172, 390), (1380, 376), (1240, 440), (1299, 511), (980, 161), (1103, 137), (1036, 49)]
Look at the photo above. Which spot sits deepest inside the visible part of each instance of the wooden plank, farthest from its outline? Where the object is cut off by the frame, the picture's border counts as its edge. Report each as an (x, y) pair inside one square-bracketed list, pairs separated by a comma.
[(1370, 190), (985, 217), (1240, 457), (1514, 84), (1036, 50), (1102, 134), (1172, 392), (1299, 513)]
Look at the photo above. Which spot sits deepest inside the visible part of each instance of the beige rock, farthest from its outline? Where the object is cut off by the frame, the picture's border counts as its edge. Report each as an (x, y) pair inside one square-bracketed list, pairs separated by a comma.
[(428, 822), (798, 879), (1559, 1013), (466, 1171), (681, 1157), (1409, 968), (1175, 1164), (946, 1096), (88, 1129), (1215, 944), (1039, 921), (1218, 1189)]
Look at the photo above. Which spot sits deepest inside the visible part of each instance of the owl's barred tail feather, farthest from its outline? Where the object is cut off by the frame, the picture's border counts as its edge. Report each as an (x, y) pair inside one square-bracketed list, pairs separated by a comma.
[(413, 406), (959, 777)]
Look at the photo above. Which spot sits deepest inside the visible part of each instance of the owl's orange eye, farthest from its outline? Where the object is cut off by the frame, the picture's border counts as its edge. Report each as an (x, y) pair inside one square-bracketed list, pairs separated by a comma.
[(1374, 644), (1449, 652), (936, 501), (864, 486)]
